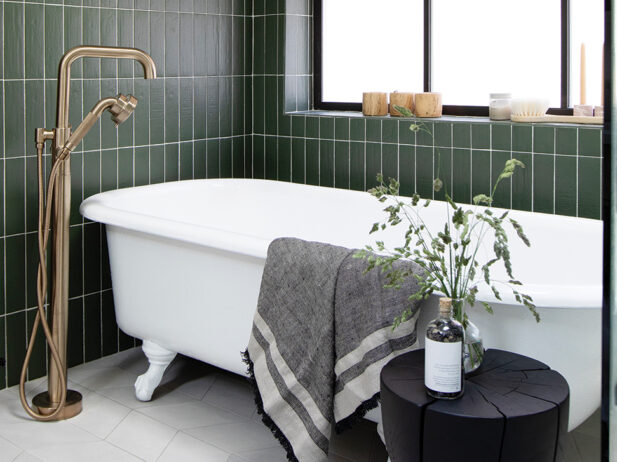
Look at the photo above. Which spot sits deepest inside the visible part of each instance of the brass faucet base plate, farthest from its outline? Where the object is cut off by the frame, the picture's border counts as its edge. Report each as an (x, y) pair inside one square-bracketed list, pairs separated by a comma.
[(71, 408)]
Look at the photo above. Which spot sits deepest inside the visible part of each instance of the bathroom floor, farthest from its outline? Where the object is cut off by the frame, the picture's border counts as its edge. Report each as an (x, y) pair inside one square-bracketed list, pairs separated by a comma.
[(199, 414)]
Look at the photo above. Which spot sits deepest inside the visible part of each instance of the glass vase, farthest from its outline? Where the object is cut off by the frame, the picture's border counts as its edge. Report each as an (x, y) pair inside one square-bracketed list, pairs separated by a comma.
[(473, 349)]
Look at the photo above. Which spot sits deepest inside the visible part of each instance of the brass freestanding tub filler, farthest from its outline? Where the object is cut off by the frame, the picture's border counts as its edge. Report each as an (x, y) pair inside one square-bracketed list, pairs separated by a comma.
[(58, 403)]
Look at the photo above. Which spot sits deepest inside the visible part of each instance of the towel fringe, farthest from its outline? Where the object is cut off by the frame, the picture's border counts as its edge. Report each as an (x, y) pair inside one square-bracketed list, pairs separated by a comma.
[(356, 416)]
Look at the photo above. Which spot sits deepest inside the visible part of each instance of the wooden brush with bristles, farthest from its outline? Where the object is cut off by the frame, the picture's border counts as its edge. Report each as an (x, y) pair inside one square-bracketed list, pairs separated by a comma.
[(534, 110)]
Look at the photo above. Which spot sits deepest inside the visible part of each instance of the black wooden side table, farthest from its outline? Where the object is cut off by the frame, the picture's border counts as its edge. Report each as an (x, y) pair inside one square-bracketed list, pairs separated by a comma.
[(514, 409)]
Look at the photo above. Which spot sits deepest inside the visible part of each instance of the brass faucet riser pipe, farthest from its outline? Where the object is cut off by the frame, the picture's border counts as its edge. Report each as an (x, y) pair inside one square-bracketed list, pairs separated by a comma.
[(64, 76)]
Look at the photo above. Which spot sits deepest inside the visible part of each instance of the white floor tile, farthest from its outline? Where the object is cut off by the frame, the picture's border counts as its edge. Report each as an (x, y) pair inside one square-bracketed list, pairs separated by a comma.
[(233, 393), (35, 435), (161, 397), (108, 377), (190, 377), (190, 415), (8, 451), (185, 448), (26, 457), (276, 454), (99, 451), (236, 437), (102, 415), (142, 436)]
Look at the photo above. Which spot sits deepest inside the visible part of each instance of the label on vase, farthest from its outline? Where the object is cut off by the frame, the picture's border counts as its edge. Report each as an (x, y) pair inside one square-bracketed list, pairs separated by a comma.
[(442, 366)]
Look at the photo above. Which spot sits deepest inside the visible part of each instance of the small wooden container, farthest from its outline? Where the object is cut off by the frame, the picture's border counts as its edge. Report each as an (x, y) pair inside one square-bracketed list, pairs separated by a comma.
[(428, 105), (374, 104), (400, 99)]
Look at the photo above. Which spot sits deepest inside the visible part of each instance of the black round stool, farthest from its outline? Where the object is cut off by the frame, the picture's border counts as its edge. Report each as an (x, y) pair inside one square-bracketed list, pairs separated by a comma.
[(514, 409)]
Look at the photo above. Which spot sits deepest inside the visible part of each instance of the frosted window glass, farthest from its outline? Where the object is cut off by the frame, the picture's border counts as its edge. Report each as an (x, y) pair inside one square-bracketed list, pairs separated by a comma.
[(586, 26), (370, 45), (485, 46)]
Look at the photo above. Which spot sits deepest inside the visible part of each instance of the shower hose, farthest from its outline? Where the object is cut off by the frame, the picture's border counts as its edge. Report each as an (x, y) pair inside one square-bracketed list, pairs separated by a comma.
[(45, 206)]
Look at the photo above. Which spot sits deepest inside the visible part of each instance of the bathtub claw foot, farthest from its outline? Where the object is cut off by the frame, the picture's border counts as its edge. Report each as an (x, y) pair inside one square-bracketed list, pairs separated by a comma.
[(159, 358)]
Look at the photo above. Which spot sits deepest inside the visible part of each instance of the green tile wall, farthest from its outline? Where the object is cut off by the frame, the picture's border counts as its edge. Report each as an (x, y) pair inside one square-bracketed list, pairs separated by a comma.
[(346, 150), (194, 121)]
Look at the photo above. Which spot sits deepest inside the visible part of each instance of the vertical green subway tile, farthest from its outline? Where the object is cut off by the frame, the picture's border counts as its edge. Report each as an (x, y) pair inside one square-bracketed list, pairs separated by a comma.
[(199, 43), (200, 157), (35, 111), (157, 164), (172, 45), (565, 185), (15, 345), (566, 140), (341, 164), (186, 109), (172, 5), (373, 164), (356, 166), (259, 157), (186, 45), (92, 327), (141, 115), (91, 94), (589, 187), (501, 137), (237, 45), (109, 327), (109, 28), (259, 45), (141, 37), (543, 139), (76, 187), (2, 338), (157, 41), (157, 111), (212, 26), (373, 130), (271, 55), (126, 37), (389, 162), (200, 6), (522, 138), (109, 132), (75, 102), (326, 163), (461, 171), (109, 170), (406, 134), (590, 142), (126, 129), (105, 268), (172, 157), (461, 135), (13, 40), (238, 156), (341, 128), (259, 7), (480, 136), (15, 275), (172, 111), (75, 338), (15, 195), (92, 173), (75, 261), (212, 92), (200, 108), (270, 105), (271, 158), (423, 136), (142, 166), (443, 171), (92, 257), (224, 107), (502, 193), (543, 184), (38, 361), (298, 126), (271, 7), (522, 182), (186, 161), (297, 160), (125, 167), (259, 104), (32, 264), (14, 129), (91, 36), (390, 131), (237, 106), (312, 127), (32, 194), (326, 128), (284, 159), (443, 134), (51, 97), (424, 171), (225, 45), (34, 46), (73, 36), (481, 173), (212, 161), (225, 156), (312, 161)]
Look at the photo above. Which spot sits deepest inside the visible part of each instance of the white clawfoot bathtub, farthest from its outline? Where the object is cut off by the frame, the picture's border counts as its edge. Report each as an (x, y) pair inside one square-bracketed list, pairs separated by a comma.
[(187, 257)]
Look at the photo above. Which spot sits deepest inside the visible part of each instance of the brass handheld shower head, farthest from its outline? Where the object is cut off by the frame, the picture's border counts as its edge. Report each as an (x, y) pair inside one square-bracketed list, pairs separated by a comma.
[(120, 107)]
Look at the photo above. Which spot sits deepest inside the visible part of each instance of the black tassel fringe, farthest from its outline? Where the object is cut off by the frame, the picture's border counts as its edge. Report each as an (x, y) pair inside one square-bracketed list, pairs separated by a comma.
[(358, 414)]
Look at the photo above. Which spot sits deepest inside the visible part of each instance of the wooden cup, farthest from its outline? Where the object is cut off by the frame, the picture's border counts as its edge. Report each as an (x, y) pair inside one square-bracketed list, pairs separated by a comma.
[(428, 105), (400, 99), (374, 104)]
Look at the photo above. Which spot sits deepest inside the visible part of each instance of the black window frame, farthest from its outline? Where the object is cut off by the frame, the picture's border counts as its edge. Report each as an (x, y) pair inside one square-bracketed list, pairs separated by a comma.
[(455, 110)]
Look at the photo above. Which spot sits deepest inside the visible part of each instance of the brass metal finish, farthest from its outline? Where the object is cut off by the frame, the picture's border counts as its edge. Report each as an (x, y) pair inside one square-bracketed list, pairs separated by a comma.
[(59, 403)]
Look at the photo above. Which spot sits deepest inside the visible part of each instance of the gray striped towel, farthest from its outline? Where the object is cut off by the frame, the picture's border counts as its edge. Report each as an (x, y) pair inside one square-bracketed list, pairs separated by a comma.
[(321, 334)]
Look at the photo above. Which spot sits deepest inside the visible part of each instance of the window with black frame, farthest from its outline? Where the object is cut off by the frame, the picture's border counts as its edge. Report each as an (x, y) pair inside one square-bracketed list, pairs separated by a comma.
[(462, 49)]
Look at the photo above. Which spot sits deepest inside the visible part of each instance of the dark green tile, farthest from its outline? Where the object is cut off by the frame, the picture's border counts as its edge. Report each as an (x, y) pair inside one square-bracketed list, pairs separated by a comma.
[(35, 14), (284, 159), (407, 170), (109, 132), (157, 164), (443, 134), (390, 131), (590, 142), (125, 167), (91, 35), (109, 326), (481, 173), (199, 42), (35, 111), (76, 187), (225, 107), (157, 41), (75, 339), (259, 156), (501, 137), (271, 118), (109, 170), (186, 109), (105, 268), (389, 160), (186, 161), (424, 136), (566, 140), (199, 158), (37, 366), (312, 161), (237, 45), (92, 327), (186, 45), (141, 122), (312, 127), (480, 136), (75, 261), (13, 41), (213, 159), (589, 187), (271, 6), (373, 164), (271, 55), (15, 273), (91, 92), (326, 163), (522, 183), (502, 193), (461, 135), (326, 128), (32, 264), (443, 171), (565, 181), (406, 135), (14, 143), (271, 158), (521, 138), (172, 110), (2, 349), (92, 173), (92, 257), (73, 36), (297, 160), (356, 166), (15, 346), (15, 195), (341, 164), (543, 186), (238, 157), (157, 111), (237, 106), (172, 157), (109, 37), (461, 165), (543, 139), (424, 171), (357, 129), (259, 34), (172, 45), (225, 158), (248, 156), (373, 130), (297, 126)]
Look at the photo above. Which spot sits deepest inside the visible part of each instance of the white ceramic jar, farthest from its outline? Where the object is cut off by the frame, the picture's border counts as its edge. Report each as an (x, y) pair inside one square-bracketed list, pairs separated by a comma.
[(499, 107)]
